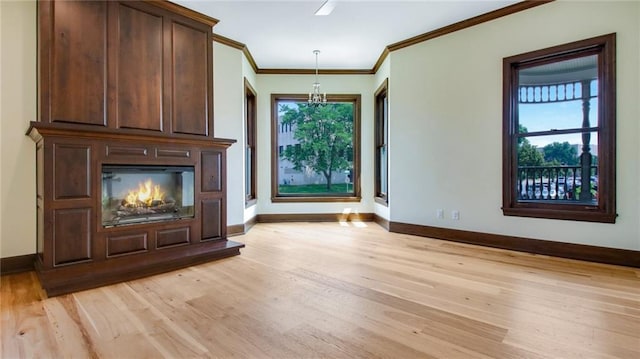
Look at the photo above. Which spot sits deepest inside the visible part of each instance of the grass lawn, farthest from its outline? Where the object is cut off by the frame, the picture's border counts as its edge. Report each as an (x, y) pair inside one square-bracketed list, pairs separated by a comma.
[(315, 188)]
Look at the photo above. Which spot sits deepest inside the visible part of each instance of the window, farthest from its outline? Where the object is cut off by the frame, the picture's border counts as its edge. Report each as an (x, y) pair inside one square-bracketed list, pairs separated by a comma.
[(321, 157), (559, 132), (381, 137), (250, 145)]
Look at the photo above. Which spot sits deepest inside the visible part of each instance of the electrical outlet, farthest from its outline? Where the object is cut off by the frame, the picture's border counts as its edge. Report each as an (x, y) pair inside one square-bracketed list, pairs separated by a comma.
[(455, 214), (440, 213)]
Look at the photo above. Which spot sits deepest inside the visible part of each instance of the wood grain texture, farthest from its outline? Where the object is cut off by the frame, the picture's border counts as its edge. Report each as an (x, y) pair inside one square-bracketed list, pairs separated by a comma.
[(623, 257), (139, 67), (77, 63), (339, 290)]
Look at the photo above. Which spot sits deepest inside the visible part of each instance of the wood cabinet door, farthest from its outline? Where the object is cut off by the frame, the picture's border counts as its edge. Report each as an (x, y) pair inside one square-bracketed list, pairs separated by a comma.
[(138, 81), (191, 79), (73, 37)]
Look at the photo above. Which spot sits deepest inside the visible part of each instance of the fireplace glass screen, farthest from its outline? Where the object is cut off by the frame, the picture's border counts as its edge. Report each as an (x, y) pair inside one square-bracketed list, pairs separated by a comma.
[(142, 194)]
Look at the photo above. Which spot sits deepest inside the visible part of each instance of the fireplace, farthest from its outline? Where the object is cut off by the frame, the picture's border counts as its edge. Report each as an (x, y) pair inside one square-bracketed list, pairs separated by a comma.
[(143, 194)]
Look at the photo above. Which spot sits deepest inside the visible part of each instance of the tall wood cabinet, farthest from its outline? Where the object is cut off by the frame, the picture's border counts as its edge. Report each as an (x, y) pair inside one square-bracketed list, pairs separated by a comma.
[(126, 65), (123, 83)]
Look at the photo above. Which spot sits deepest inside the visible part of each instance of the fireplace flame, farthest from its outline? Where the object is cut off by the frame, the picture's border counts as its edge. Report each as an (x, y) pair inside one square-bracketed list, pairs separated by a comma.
[(147, 194)]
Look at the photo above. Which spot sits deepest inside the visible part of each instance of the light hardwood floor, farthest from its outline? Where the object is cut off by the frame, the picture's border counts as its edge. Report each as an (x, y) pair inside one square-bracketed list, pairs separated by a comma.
[(302, 290)]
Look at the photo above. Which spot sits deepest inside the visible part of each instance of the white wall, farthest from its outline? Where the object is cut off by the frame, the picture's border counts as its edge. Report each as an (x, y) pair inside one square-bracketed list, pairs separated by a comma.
[(228, 118), (446, 145), (18, 106), (382, 74), (301, 84)]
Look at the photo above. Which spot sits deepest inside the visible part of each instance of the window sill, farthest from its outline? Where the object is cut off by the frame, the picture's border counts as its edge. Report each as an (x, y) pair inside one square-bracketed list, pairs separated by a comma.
[(294, 199), (587, 215), (381, 200), (250, 202)]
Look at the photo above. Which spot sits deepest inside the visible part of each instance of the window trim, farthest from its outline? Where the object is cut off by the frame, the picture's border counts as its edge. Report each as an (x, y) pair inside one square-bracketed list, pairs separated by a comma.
[(605, 211), (250, 107), (275, 195), (381, 139)]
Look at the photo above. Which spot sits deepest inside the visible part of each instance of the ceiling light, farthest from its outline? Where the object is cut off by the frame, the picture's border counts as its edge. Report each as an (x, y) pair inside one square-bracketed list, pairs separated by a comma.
[(326, 8), (315, 98)]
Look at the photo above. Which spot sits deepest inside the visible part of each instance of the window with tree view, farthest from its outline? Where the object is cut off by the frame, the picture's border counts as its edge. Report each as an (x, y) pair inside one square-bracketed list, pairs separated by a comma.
[(559, 132), (315, 148)]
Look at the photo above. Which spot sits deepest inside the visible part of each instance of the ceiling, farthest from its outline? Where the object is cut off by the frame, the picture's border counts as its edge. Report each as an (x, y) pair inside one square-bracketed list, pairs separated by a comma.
[(283, 34)]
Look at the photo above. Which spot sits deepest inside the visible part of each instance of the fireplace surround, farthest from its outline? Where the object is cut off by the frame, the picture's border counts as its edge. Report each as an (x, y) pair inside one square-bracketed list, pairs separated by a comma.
[(88, 233)]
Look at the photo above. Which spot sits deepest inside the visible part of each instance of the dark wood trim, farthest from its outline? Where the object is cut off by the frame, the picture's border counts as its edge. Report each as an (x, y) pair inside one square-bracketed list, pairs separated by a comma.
[(383, 222), (237, 45), (235, 230), (37, 129), (476, 20), (315, 217), (313, 71), (240, 229), (17, 264), (251, 202), (250, 223), (250, 59), (605, 210), (229, 42), (583, 252), (250, 143), (381, 139), (381, 200), (381, 59), (181, 10), (308, 199)]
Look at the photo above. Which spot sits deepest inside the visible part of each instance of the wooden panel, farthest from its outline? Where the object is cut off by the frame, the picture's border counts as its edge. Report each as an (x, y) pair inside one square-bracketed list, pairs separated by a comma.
[(72, 171), (71, 235), (164, 152), (172, 237), (126, 151), (211, 218), (190, 80), (126, 244), (40, 183), (210, 169), (78, 62), (139, 69)]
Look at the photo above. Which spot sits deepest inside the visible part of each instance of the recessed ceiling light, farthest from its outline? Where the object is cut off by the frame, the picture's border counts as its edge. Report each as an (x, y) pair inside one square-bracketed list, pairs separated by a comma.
[(326, 8)]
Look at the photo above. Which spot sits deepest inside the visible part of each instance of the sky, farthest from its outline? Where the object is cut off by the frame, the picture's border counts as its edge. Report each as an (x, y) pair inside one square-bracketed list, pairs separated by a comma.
[(558, 115)]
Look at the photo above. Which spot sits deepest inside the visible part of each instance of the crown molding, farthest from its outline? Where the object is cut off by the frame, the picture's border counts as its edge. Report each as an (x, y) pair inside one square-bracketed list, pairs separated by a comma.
[(507, 10), (179, 9), (486, 17), (313, 71), (237, 45), (477, 20)]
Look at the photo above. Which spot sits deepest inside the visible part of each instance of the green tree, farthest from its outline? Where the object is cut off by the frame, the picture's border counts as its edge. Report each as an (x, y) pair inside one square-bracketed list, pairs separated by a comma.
[(557, 153), (528, 154), (325, 137)]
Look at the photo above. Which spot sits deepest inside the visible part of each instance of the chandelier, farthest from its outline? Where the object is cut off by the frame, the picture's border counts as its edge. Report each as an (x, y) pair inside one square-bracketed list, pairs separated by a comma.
[(315, 98)]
